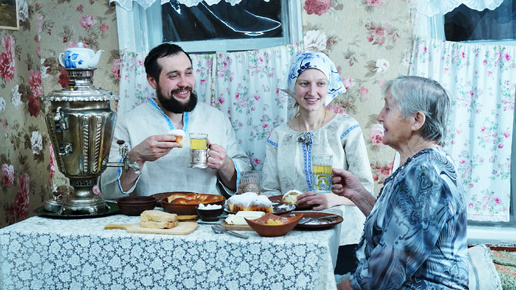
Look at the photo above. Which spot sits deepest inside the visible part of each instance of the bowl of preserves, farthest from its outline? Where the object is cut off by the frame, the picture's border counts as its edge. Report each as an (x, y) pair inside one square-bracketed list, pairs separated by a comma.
[(271, 225)]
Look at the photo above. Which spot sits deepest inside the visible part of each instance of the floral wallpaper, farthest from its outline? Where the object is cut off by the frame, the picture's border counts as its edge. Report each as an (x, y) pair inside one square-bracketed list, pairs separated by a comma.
[(369, 41), (29, 70)]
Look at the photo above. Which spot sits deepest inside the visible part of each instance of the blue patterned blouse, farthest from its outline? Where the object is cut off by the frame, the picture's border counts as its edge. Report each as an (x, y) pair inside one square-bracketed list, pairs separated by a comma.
[(415, 236)]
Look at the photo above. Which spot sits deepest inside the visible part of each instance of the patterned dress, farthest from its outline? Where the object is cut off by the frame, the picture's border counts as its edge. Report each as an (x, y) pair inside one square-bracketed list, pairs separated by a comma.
[(415, 236)]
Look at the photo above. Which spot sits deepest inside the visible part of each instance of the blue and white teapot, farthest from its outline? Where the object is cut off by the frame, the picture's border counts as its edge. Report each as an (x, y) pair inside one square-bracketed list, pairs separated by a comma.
[(80, 57)]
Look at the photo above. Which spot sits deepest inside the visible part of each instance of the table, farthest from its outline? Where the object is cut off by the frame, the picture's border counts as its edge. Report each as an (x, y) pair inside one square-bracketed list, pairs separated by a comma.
[(43, 253)]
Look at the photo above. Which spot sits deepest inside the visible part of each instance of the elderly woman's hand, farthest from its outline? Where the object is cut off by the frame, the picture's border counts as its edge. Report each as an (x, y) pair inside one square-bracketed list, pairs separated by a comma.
[(347, 185)]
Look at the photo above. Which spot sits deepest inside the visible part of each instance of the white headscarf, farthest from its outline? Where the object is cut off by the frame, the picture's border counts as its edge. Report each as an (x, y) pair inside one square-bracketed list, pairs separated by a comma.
[(322, 62)]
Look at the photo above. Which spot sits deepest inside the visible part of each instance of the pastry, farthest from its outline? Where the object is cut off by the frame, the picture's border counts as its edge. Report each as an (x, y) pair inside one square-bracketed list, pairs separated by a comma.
[(194, 198), (180, 134), (249, 201), (291, 197)]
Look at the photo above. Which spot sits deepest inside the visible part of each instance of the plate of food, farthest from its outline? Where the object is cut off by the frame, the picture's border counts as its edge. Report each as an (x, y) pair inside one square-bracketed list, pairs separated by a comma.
[(251, 201), (291, 197), (316, 220)]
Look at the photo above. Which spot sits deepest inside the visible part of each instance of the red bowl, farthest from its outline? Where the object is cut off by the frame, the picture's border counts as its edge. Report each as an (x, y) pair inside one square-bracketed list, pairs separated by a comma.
[(135, 205), (271, 230)]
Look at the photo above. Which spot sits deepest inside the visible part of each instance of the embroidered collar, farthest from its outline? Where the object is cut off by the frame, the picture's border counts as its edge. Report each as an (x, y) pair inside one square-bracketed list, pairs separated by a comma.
[(186, 116)]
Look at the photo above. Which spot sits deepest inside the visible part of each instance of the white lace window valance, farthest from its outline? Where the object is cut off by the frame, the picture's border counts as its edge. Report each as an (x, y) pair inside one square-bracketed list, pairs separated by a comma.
[(434, 7), (128, 4)]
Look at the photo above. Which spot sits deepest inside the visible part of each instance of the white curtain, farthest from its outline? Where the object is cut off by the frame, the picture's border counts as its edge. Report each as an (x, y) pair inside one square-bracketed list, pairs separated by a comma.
[(128, 4), (433, 7), (244, 85), (481, 80)]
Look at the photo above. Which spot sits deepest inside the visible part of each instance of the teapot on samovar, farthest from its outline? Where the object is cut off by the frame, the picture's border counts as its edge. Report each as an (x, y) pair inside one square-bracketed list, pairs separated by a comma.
[(80, 57)]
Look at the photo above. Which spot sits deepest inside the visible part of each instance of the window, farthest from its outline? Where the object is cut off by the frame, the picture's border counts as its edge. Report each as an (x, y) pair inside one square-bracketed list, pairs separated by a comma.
[(465, 24), (488, 26), (496, 27), (252, 24)]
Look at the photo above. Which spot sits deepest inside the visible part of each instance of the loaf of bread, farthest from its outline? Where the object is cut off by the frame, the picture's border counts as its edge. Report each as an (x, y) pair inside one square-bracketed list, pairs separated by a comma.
[(157, 219), (249, 201)]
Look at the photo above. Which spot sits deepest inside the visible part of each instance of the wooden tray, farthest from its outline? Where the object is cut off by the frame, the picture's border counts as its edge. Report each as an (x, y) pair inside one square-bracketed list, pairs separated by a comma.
[(236, 227), (183, 228)]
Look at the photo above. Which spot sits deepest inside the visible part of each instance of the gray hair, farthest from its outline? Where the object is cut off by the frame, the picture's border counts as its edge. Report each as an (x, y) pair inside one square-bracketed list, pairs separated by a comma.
[(412, 94)]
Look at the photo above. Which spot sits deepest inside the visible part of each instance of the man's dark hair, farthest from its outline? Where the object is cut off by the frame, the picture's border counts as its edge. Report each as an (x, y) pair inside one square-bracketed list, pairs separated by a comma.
[(152, 67)]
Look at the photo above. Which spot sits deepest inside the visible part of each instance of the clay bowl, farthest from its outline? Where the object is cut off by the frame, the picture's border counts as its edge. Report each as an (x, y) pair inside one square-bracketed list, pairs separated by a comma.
[(185, 209), (208, 214), (135, 205), (273, 230)]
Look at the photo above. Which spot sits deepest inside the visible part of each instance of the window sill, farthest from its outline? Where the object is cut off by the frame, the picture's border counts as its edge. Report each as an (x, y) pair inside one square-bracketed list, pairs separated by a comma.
[(492, 235)]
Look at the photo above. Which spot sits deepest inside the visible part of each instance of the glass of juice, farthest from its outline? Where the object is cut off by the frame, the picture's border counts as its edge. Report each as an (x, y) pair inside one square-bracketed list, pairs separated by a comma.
[(198, 150), (322, 172)]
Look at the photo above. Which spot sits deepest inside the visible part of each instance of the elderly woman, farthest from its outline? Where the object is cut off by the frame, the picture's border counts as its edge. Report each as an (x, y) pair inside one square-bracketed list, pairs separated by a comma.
[(314, 81), (415, 233)]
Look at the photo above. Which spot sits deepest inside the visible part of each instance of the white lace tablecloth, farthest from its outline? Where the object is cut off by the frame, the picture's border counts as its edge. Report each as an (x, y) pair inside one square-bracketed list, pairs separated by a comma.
[(42, 253)]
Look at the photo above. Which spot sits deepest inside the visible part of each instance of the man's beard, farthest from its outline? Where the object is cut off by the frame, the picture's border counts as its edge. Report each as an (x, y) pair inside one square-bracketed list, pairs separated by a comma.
[(175, 106)]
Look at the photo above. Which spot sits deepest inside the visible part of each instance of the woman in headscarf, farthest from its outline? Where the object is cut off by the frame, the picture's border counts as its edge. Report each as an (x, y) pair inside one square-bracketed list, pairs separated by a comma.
[(415, 233), (314, 82)]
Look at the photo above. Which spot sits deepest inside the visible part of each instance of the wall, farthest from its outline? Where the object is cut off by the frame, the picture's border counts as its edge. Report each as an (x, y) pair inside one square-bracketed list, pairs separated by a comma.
[(29, 69), (369, 41)]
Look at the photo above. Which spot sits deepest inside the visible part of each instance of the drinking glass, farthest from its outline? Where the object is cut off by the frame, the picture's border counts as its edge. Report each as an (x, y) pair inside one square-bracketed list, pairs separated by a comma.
[(322, 172), (198, 150)]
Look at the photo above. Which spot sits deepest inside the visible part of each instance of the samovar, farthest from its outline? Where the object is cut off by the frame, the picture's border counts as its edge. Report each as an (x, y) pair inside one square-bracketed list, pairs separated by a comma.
[(80, 122)]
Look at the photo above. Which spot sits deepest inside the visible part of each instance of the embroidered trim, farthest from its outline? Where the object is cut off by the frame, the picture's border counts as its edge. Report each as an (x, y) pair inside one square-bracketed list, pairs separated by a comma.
[(167, 119), (349, 130), (307, 161), (272, 143)]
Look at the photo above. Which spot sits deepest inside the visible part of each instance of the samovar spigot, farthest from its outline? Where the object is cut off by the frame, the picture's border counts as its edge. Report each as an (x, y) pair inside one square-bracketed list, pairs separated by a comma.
[(126, 163)]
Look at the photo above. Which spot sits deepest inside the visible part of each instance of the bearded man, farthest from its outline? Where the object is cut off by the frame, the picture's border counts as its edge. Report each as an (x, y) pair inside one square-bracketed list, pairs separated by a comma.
[(164, 165)]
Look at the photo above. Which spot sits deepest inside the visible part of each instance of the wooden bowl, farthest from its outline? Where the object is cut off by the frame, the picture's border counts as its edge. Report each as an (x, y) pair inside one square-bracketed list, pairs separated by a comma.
[(135, 205), (186, 209), (271, 230)]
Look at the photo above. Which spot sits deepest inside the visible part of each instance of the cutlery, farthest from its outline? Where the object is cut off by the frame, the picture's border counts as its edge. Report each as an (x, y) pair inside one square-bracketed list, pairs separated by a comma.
[(218, 229), (306, 220)]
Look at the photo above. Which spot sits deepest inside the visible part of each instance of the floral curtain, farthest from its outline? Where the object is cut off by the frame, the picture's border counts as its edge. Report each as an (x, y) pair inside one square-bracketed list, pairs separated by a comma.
[(481, 80), (244, 85), (128, 4)]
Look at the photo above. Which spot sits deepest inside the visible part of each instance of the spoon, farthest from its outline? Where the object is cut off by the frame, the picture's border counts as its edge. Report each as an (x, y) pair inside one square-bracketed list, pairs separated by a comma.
[(218, 229)]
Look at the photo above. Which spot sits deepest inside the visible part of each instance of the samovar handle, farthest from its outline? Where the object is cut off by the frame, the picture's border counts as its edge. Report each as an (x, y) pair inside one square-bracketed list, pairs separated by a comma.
[(60, 119), (126, 163)]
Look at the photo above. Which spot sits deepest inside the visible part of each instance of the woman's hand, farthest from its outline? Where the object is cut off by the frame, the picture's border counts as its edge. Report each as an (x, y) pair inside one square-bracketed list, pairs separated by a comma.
[(321, 200), (344, 285), (347, 185)]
